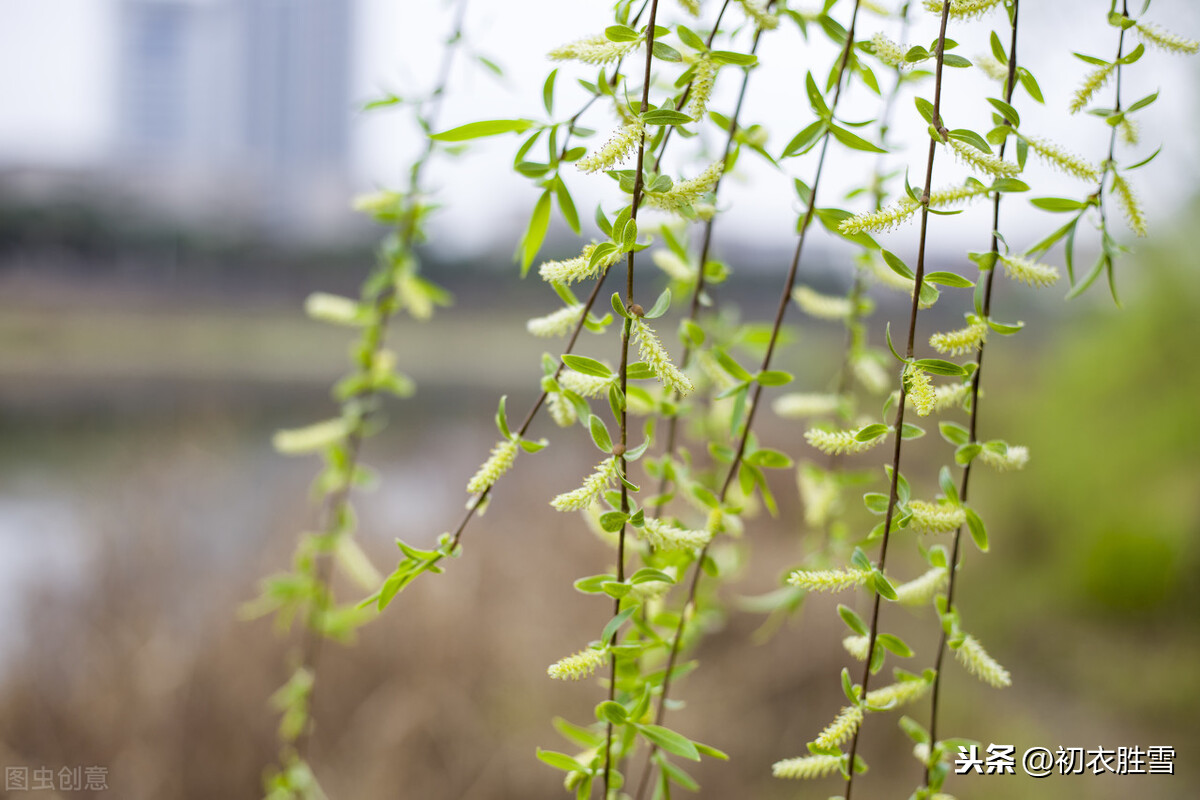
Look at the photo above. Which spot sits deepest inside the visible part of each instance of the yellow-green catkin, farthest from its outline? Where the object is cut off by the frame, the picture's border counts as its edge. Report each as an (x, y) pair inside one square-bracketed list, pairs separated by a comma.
[(889, 52), (655, 355), (806, 767), (1094, 81), (1164, 40), (961, 340), (963, 9), (559, 323), (828, 580), (1028, 272), (579, 268), (1009, 458), (936, 517), (819, 493), (870, 373), (899, 693), (821, 306), (856, 646), (664, 536), (501, 459), (578, 666), (921, 590), (616, 149), (839, 442), (797, 405), (980, 161), (685, 194), (841, 729), (593, 50), (758, 12), (992, 68), (561, 410), (920, 389), (702, 86), (890, 216), (1130, 206), (970, 654), (1130, 133), (1054, 155), (593, 485), (675, 267), (585, 385)]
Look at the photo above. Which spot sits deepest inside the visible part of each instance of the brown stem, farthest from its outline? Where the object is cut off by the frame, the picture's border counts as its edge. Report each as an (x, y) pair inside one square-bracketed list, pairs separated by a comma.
[(964, 486), (335, 501), (898, 425), (781, 310), (624, 377), (694, 308)]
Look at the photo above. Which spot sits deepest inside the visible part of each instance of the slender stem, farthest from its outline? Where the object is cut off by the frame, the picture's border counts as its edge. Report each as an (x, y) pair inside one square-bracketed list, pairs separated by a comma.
[(624, 377), (976, 377), (334, 503), (1112, 139), (706, 243), (475, 507), (898, 425), (781, 310)]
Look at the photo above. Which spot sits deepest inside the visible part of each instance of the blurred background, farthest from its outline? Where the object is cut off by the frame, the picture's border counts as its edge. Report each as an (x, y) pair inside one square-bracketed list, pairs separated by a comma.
[(175, 177)]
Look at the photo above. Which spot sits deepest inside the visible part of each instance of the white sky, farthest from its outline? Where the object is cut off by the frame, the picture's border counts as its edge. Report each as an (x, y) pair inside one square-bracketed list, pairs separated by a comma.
[(57, 100)]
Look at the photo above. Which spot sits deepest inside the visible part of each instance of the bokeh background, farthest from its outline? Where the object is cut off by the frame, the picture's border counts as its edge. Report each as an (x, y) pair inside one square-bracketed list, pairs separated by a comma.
[(175, 177)]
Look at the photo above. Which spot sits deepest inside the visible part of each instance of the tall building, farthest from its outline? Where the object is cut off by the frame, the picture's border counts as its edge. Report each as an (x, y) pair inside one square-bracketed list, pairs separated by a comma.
[(238, 105)]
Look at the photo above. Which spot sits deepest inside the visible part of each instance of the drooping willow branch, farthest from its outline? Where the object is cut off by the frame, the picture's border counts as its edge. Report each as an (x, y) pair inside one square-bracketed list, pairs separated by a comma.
[(976, 381), (752, 406), (428, 560), (342, 439), (898, 425), (634, 310), (705, 245)]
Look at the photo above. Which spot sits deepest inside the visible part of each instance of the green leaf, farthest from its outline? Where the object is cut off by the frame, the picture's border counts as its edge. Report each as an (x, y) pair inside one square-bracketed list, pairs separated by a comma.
[(616, 622), (869, 432), (566, 205), (939, 366), (853, 621), (769, 459), (587, 366), (611, 711), (478, 130), (666, 116), (978, 530), (660, 305), (689, 37), (621, 33), (560, 761), (852, 141), (774, 377), (670, 741), (1008, 112), (897, 265), (548, 91), (502, 419), (803, 141), (535, 234), (1057, 204), (736, 59), (600, 434), (894, 644), (949, 279), (665, 52)]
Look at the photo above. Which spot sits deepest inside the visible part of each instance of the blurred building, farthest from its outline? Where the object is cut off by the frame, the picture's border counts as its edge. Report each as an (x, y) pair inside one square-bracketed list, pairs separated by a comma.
[(237, 108)]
